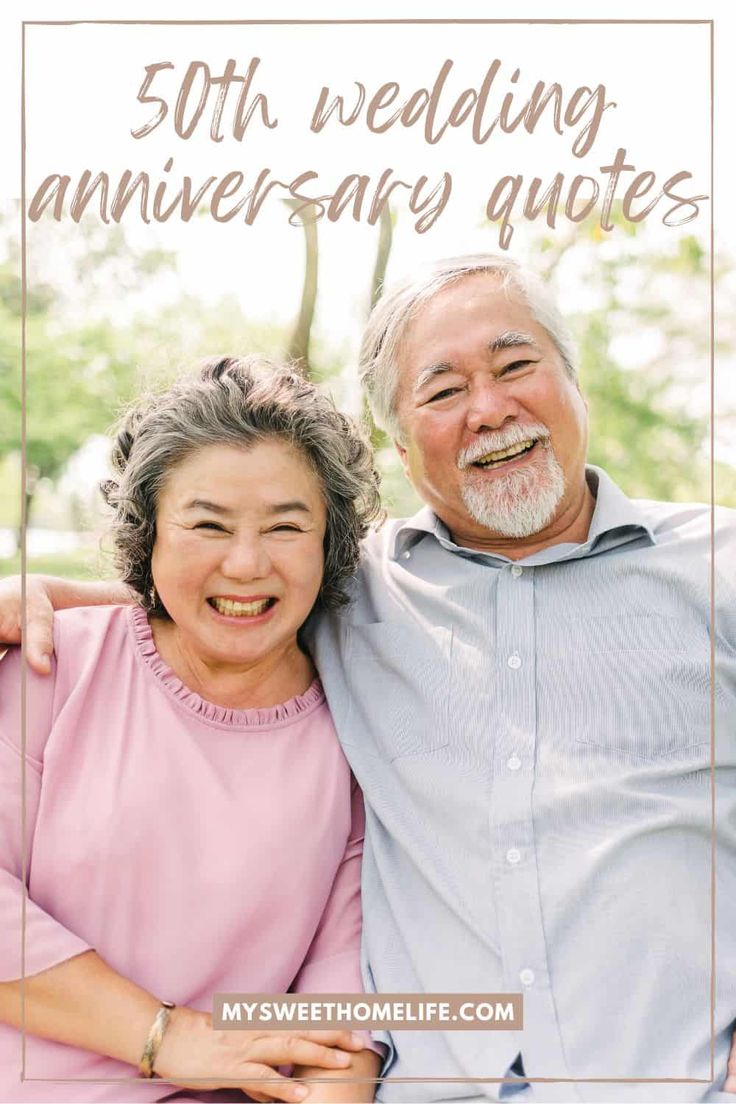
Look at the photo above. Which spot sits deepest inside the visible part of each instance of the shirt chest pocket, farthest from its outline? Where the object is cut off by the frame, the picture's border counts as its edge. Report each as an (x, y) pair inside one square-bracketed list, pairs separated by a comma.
[(400, 688), (645, 688)]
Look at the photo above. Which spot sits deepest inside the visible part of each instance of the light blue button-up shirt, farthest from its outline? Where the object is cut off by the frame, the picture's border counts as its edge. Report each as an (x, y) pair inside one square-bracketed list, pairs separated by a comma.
[(533, 739)]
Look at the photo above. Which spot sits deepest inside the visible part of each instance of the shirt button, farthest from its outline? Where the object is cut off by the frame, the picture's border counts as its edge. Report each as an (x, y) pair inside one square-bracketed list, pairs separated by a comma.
[(513, 855), (526, 977), (513, 763), (514, 662), (407, 555), (516, 571)]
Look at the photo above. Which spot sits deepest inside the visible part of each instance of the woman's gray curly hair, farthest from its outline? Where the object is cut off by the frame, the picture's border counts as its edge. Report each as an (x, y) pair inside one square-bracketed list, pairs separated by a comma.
[(239, 401)]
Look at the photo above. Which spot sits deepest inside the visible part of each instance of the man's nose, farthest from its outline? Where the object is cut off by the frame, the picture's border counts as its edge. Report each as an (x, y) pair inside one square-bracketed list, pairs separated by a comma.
[(246, 558), (491, 406)]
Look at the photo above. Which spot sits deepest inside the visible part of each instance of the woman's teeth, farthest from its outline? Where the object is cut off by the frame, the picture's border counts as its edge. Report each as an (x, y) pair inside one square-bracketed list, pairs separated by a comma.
[(492, 459), (241, 609)]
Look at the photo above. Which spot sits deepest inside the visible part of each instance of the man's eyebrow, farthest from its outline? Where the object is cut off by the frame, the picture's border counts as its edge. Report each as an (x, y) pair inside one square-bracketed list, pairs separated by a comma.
[(510, 339), (429, 373)]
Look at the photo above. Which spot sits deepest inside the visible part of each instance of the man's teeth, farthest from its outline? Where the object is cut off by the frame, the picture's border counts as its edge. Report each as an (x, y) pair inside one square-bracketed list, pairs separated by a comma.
[(241, 609), (504, 454)]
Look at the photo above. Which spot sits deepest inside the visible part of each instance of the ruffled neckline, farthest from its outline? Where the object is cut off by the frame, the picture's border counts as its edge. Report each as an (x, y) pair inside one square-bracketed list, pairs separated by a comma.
[(285, 713)]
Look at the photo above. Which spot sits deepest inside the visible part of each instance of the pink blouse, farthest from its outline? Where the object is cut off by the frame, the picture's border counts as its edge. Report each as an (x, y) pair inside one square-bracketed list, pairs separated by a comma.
[(198, 849)]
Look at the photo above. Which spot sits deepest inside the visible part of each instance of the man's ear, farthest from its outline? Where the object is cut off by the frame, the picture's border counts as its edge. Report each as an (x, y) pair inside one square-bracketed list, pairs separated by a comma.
[(579, 390), (403, 455)]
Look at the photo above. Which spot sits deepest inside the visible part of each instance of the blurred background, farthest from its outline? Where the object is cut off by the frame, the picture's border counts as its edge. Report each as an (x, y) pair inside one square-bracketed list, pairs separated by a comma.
[(110, 312)]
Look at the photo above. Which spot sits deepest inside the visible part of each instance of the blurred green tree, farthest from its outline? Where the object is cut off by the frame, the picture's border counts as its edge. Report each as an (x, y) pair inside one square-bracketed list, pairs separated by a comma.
[(643, 338), (77, 373), (639, 313)]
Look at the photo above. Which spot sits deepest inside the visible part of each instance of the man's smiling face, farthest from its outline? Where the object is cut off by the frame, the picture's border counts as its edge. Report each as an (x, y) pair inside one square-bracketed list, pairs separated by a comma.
[(494, 429)]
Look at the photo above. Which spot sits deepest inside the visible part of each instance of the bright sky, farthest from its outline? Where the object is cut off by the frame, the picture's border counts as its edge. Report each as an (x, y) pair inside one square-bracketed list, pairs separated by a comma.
[(81, 106)]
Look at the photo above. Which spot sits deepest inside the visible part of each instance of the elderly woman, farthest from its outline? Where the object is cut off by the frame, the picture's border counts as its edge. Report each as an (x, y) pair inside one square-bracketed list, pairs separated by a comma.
[(189, 820)]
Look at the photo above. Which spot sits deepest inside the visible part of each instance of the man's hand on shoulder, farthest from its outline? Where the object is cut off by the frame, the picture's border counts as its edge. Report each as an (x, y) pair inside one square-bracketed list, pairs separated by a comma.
[(44, 594), (39, 619)]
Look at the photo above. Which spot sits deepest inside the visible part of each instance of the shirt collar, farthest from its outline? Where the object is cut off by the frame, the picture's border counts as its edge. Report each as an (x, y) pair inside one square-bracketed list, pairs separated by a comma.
[(616, 520), (614, 511)]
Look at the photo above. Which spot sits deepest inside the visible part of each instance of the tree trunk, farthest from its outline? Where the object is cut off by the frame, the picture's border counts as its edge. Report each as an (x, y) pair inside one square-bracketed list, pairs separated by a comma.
[(385, 238), (30, 484), (298, 348), (385, 241)]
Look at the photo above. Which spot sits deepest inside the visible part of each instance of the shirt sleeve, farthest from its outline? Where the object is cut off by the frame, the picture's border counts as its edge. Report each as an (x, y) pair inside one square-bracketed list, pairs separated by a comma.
[(332, 964), (46, 941)]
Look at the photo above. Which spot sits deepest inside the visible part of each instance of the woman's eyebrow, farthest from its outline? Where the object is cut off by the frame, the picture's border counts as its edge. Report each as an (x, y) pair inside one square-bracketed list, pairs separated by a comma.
[(295, 504), (205, 504), (288, 507)]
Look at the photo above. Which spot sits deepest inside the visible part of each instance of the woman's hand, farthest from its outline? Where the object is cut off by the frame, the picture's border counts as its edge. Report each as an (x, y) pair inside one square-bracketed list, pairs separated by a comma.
[(63, 1003), (355, 1085), (194, 1056)]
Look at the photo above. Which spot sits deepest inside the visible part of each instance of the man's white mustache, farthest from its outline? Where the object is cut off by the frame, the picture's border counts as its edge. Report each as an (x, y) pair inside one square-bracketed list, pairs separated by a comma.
[(504, 438)]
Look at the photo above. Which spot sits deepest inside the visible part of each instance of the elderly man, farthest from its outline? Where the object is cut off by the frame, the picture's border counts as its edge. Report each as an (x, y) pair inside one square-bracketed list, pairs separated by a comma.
[(523, 685)]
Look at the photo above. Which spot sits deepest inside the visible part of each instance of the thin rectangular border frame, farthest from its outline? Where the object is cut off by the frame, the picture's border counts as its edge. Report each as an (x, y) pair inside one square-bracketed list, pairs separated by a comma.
[(24, 519)]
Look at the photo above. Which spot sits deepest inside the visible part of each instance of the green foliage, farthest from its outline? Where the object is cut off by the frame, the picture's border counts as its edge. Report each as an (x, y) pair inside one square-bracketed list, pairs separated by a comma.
[(67, 565), (645, 427), (184, 332), (77, 373), (75, 380), (646, 445), (10, 492), (646, 430)]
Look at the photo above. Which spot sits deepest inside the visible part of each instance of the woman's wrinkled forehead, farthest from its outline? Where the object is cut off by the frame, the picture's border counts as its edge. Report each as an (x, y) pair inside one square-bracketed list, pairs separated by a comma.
[(260, 477)]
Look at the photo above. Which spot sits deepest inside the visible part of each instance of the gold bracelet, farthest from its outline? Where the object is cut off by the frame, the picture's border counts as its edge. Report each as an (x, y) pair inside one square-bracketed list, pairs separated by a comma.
[(154, 1039)]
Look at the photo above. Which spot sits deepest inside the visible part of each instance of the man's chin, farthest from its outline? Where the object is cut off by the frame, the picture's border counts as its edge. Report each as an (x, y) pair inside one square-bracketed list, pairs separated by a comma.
[(518, 527), (518, 505)]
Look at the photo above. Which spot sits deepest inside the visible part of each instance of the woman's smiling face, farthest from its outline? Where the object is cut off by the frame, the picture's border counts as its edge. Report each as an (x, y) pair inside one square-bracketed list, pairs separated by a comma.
[(238, 557)]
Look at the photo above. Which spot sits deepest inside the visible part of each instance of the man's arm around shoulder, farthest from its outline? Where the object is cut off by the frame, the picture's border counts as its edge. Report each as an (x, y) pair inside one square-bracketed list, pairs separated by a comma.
[(43, 595)]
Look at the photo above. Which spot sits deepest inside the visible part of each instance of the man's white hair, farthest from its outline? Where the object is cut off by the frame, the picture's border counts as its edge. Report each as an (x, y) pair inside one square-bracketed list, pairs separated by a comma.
[(392, 314)]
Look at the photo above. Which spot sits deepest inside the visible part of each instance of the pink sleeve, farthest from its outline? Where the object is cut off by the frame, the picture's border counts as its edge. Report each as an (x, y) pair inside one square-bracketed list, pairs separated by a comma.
[(46, 941), (332, 964)]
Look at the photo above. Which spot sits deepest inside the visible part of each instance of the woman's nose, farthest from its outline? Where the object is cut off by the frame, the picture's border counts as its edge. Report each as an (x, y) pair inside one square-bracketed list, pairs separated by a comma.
[(246, 558)]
